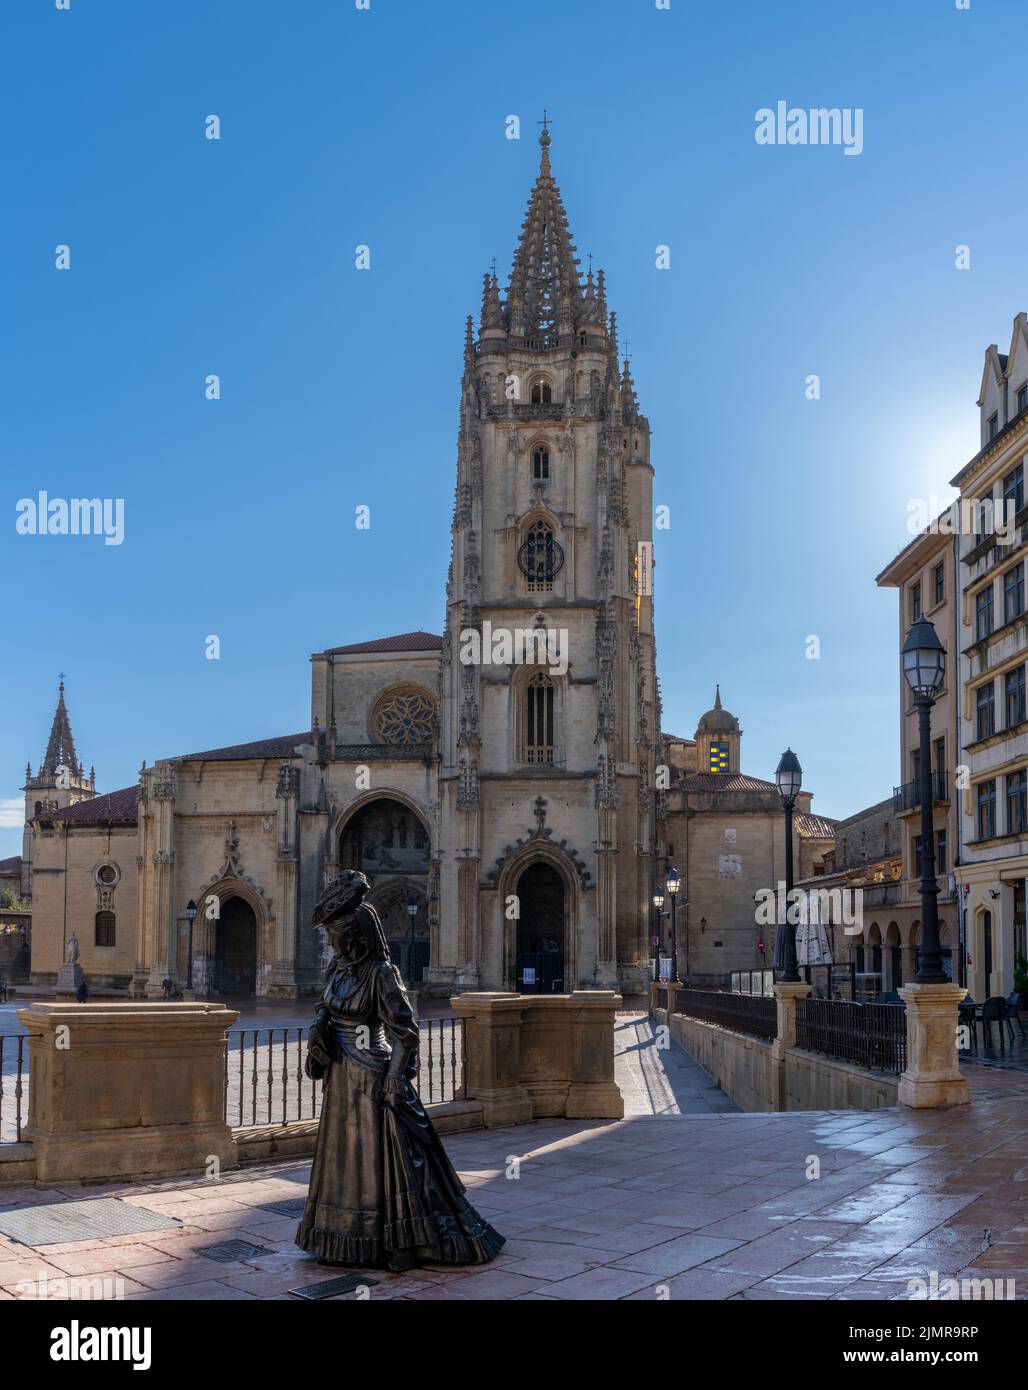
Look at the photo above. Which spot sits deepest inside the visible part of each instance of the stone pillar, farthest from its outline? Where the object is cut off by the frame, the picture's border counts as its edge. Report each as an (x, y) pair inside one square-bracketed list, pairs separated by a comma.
[(492, 1056), (162, 919), (593, 1093), (786, 996), (127, 1090), (932, 1077), (282, 974)]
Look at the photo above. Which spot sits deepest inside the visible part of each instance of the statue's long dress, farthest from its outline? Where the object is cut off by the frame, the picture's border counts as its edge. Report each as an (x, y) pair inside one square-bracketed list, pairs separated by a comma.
[(383, 1192)]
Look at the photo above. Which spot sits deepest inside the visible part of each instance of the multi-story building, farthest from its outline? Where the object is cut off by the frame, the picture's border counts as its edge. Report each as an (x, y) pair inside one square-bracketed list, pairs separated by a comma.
[(992, 769)]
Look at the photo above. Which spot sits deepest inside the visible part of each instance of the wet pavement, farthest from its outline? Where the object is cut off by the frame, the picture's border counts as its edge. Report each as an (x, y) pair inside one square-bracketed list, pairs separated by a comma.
[(686, 1198)]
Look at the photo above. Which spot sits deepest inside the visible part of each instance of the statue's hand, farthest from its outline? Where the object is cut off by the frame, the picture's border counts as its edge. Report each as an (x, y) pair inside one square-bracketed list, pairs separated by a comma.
[(320, 1047), (392, 1090)]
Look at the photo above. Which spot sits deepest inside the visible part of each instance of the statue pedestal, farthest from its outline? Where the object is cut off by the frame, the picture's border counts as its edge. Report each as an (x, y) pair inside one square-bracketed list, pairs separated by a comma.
[(69, 977)]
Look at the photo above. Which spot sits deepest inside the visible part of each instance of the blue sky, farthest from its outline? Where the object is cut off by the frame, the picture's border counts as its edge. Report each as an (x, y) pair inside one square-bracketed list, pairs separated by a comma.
[(339, 387)]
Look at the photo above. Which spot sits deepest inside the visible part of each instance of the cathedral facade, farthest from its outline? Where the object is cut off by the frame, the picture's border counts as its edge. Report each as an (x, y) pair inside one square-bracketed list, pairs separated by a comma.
[(505, 785)]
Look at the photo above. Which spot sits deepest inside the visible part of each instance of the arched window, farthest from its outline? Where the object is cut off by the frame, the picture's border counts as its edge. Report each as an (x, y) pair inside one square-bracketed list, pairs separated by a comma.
[(540, 743), (104, 935), (542, 392), (541, 463), (540, 558)]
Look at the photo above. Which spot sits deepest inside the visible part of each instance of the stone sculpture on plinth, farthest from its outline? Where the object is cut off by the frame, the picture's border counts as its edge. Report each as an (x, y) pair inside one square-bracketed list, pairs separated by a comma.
[(69, 974)]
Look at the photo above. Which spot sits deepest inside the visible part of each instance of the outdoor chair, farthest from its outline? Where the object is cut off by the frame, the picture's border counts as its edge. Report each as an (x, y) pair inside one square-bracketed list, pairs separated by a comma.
[(1014, 1012), (995, 1010), (969, 1013)]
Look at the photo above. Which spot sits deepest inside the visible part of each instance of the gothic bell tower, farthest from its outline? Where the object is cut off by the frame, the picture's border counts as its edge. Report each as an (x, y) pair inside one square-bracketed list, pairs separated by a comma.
[(60, 780), (548, 705)]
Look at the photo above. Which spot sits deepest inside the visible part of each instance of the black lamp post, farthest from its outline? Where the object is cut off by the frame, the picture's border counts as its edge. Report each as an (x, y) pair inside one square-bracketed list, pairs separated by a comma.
[(658, 903), (789, 776), (412, 914), (673, 881), (924, 666), (190, 918)]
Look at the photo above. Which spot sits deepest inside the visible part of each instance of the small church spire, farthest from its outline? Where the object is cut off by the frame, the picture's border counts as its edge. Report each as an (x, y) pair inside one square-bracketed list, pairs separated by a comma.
[(492, 310), (60, 749), (717, 696)]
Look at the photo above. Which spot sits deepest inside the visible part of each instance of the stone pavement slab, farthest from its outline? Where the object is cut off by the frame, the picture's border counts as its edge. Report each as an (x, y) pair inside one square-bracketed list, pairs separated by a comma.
[(684, 1198)]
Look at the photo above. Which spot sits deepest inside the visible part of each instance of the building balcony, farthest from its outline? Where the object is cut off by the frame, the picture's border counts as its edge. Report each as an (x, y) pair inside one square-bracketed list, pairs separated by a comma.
[(908, 796)]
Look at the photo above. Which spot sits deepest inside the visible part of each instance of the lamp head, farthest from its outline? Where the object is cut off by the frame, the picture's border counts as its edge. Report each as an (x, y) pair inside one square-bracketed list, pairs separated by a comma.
[(924, 659), (789, 776)]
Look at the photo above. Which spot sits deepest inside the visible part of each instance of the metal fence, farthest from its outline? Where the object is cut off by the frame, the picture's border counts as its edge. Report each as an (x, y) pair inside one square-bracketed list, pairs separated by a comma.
[(265, 1081), (14, 1086), (871, 1035), (754, 1014), (753, 982)]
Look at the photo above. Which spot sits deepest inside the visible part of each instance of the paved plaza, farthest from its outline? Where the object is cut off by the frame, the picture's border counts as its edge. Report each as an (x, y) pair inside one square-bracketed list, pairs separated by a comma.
[(684, 1198)]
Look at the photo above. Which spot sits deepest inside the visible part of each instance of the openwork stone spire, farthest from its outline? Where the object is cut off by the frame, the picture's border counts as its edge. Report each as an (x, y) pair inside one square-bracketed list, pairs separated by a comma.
[(60, 750), (545, 289)]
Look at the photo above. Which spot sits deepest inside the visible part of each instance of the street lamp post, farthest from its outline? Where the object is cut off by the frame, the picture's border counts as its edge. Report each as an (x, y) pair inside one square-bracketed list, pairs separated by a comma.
[(190, 918), (924, 666), (658, 903), (412, 913), (673, 881), (789, 776)]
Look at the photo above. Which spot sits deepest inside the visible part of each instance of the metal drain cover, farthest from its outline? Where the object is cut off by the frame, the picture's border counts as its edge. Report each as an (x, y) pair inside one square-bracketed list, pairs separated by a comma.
[(232, 1251), (330, 1288), (292, 1206), (59, 1222)]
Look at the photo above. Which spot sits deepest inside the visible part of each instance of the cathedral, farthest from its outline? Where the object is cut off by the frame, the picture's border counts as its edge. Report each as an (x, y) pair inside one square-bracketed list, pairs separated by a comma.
[(505, 785)]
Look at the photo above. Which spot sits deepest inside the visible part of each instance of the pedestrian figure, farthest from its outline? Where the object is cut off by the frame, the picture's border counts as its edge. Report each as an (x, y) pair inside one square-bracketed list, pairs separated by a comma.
[(82, 992)]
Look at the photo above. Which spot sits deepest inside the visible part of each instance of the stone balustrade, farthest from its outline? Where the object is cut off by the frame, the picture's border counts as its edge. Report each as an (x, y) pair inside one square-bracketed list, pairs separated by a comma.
[(127, 1090), (529, 1056)]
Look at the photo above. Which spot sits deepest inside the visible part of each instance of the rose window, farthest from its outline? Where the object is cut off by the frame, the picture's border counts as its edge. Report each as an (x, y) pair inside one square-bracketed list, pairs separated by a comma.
[(405, 719)]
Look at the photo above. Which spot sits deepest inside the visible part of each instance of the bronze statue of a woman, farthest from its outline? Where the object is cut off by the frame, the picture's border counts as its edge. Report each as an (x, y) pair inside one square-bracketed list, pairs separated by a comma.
[(382, 1193)]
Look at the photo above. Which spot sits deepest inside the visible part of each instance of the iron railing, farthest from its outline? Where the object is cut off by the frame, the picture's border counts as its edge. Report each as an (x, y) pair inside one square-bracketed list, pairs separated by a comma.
[(754, 1014), (908, 796), (13, 1086), (752, 982), (870, 1035), (265, 1081)]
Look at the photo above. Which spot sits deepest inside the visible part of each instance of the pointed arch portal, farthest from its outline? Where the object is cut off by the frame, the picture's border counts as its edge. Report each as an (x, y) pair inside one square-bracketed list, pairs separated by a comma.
[(235, 950), (540, 953)]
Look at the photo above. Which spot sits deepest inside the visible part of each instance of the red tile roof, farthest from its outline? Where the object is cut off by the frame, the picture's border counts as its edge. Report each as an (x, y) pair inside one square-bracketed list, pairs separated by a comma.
[(282, 747), (816, 827), (402, 642), (11, 866), (724, 782), (118, 807)]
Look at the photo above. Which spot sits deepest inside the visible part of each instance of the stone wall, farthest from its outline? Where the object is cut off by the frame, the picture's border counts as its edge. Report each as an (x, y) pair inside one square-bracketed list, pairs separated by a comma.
[(748, 1072), (65, 900)]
